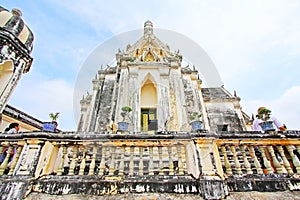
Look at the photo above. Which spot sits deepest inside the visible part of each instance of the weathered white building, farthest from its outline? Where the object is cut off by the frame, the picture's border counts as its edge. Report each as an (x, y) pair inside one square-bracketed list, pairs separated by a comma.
[(162, 93)]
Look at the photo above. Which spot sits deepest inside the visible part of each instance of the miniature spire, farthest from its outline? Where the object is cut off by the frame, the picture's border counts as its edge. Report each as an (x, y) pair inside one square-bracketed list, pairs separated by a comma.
[(148, 28)]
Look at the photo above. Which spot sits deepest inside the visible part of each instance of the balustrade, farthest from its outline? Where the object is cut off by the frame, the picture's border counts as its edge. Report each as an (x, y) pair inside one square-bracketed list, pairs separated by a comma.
[(126, 158)]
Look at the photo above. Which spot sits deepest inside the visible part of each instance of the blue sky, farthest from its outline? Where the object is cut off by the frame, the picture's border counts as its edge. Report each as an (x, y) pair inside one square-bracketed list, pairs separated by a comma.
[(255, 45)]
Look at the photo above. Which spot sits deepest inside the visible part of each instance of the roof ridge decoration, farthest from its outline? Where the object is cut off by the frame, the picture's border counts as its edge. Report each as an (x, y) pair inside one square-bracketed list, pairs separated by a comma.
[(149, 48)]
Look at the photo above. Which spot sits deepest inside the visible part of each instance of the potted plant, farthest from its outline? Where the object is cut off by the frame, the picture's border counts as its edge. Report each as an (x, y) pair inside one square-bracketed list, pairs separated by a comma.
[(196, 123), (123, 126), (51, 126), (264, 115)]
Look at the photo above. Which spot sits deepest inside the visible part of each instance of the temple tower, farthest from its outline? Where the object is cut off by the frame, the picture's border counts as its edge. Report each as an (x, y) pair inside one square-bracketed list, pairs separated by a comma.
[(16, 41), (162, 93)]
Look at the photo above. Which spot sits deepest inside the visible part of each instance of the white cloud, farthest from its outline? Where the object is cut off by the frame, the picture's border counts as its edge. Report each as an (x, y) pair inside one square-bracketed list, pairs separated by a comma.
[(38, 97), (286, 108)]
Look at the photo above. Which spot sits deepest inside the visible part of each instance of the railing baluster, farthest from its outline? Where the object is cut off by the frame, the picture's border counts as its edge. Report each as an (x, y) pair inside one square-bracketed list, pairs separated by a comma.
[(183, 158), (131, 164), (73, 161), (246, 162), (5, 162), (121, 166), (102, 162), (93, 162), (295, 159), (180, 165), (160, 165), (15, 160), (83, 161), (62, 162), (226, 161), (285, 160), (276, 163), (236, 160), (151, 167), (141, 165), (171, 166), (112, 162), (266, 161), (256, 162)]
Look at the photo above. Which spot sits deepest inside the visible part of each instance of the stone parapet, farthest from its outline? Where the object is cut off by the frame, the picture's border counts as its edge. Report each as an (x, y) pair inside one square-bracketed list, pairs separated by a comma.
[(209, 164)]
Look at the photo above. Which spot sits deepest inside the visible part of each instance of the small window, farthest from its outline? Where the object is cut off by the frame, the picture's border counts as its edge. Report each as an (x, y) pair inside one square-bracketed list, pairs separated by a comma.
[(223, 127)]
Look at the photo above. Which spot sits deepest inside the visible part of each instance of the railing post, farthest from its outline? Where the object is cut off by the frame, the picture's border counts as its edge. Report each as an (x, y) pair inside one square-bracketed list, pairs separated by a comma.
[(256, 162), (102, 162), (171, 166), (73, 161), (15, 160), (131, 164), (277, 165), (180, 164), (93, 162), (285, 161), (266, 161), (121, 166), (236, 161), (141, 165), (246, 162), (295, 159), (5, 162), (83, 161), (112, 162), (62, 162), (151, 167), (226, 161)]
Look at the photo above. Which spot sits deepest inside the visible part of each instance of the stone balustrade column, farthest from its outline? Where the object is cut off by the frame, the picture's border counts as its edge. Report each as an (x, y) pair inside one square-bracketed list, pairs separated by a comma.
[(112, 163), (93, 161), (277, 165), (62, 162), (226, 161), (83, 161), (5, 162), (131, 164), (151, 167), (15, 160), (295, 159), (73, 161), (180, 166), (285, 160), (102, 162), (141, 164), (246, 162), (171, 165), (160, 162), (183, 159), (121, 166), (266, 161), (256, 162), (236, 160)]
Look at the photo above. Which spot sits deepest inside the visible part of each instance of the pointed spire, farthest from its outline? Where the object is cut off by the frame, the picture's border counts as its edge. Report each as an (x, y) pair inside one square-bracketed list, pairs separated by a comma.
[(234, 93), (148, 28)]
